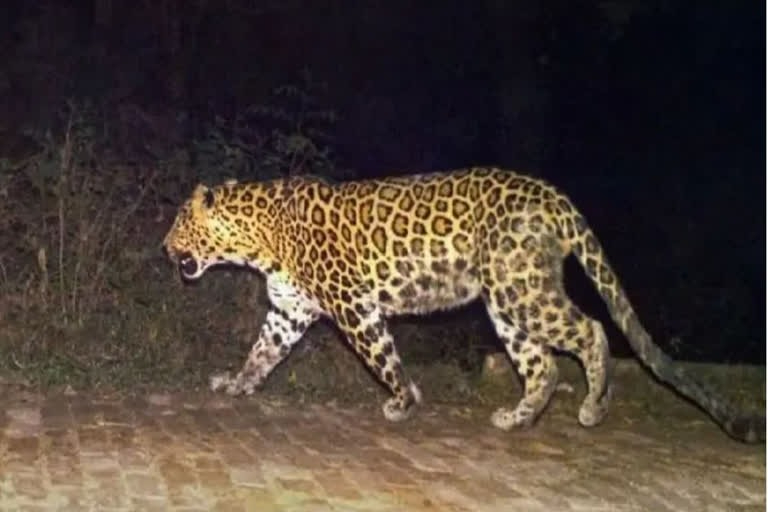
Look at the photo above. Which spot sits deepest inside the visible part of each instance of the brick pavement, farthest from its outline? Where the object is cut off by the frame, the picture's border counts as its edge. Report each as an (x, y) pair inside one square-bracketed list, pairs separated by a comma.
[(196, 452)]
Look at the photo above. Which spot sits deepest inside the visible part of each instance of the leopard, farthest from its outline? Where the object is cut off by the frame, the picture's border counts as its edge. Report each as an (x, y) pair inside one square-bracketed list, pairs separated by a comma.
[(361, 252)]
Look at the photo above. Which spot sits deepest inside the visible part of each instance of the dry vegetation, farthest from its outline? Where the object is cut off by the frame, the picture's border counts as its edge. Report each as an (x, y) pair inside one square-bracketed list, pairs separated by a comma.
[(84, 295)]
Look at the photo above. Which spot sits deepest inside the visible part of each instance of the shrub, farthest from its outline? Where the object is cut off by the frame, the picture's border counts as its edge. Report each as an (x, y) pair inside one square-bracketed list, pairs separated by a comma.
[(289, 135)]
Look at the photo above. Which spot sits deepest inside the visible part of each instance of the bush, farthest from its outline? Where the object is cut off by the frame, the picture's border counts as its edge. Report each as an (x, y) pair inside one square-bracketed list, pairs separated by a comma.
[(290, 135)]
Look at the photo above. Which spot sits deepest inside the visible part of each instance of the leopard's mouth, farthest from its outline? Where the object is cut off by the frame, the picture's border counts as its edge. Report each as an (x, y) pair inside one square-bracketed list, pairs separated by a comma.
[(189, 267)]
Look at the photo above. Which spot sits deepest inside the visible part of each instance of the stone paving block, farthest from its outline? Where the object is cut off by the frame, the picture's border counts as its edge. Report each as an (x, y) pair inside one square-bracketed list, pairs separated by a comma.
[(30, 508), (247, 476), (314, 506), (148, 504), (215, 480), (30, 486), (204, 423), (441, 492), (596, 506), (397, 476), (66, 497), (99, 465), (310, 459), (134, 458), (489, 487), (296, 501), (24, 450), (252, 442), (258, 498), (153, 435), (185, 496), (300, 486), (106, 494), (647, 499), (144, 485), (64, 471), (61, 441), (335, 484), (93, 439), (205, 461), (230, 505), (234, 454)]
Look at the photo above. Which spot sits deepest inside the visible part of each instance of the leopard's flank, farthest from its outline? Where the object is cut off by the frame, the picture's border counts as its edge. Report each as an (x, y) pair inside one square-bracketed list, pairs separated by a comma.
[(361, 252)]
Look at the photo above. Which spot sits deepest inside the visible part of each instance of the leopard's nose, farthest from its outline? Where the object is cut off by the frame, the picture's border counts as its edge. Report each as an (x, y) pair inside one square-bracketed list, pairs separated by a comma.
[(170, 252)]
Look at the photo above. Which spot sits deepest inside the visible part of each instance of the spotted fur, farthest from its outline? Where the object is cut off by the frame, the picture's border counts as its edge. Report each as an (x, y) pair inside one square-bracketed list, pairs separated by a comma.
[(361, 252)]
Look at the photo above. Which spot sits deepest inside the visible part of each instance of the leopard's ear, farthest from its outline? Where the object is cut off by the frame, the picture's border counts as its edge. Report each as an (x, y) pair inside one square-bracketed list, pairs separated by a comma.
[(204, 195)]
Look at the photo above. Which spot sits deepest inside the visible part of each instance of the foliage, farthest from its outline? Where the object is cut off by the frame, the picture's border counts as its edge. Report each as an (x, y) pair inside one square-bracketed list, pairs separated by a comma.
[(289, 135)]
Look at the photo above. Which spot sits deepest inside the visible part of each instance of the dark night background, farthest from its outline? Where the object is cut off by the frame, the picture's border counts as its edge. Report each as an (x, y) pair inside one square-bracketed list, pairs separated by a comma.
[(650, 114)]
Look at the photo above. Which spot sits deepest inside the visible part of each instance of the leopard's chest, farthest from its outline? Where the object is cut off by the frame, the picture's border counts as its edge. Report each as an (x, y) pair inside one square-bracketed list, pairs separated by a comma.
[(286, 296)]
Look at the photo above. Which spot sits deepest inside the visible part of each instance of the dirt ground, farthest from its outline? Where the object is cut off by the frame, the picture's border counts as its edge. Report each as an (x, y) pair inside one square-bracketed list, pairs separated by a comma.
[(199, 451)]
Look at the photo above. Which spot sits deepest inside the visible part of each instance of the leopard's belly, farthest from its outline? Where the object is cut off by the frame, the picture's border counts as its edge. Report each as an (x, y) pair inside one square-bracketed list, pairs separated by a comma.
[(423, 285)]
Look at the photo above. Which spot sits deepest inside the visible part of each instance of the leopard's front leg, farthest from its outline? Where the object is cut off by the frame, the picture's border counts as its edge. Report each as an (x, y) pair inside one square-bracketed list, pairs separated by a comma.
[(366, 330), (281, 330)]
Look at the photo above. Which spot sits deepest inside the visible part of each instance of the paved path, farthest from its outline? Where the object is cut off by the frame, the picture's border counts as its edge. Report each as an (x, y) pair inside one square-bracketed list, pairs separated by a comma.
[(206, 452)]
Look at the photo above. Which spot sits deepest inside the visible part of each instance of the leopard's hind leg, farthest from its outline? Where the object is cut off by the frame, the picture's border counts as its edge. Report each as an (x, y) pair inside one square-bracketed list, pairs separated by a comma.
[(527, 303)]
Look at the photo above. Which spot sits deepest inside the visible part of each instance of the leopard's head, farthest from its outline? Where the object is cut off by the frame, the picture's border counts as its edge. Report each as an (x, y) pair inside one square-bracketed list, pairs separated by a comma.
[(224, 224), (196, 238)]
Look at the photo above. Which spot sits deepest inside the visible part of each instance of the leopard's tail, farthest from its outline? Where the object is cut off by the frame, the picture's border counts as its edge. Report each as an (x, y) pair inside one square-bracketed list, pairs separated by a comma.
[(587, 249)]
